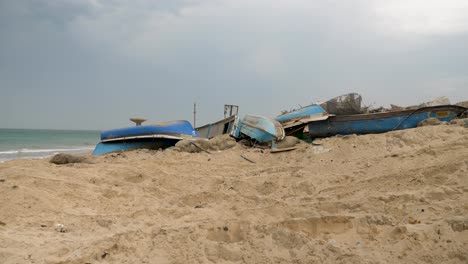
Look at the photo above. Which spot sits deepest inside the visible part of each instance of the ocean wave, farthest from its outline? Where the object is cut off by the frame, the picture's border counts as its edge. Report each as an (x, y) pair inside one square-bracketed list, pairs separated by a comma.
[(38, 153), (43, 150), (9, 152)]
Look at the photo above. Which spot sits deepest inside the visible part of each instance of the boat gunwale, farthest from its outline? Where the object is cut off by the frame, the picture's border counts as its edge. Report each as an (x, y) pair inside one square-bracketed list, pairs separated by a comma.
[(297, 121), (343, 118), (218, 122), (296, 111), (166, 136)]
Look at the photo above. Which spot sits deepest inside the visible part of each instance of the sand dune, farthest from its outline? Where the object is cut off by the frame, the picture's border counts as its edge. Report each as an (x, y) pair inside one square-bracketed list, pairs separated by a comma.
[(399, 197)]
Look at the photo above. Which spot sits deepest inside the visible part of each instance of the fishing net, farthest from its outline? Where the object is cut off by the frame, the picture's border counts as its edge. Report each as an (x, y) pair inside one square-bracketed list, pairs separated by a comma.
[(347, 104)]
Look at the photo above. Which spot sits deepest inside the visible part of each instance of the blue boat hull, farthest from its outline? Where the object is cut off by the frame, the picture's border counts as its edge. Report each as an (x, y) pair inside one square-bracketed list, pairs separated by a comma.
[(295, 121), (182, 127), (304, 112), (380, 122), (157, 136), (259, 128), (115, 146)]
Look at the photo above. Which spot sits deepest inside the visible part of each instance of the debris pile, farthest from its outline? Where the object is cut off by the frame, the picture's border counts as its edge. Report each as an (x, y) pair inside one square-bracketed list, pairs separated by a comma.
[(63, 158), (287, 142), (443, 100), (217, 143), (431, 121), (460, 122), (347, 104), (342, 115)]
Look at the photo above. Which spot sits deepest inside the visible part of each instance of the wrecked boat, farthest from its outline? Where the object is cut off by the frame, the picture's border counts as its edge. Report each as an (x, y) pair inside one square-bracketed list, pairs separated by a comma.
[(295, 121), (157, 136), (380, 122), (220, 127), (259, 128)]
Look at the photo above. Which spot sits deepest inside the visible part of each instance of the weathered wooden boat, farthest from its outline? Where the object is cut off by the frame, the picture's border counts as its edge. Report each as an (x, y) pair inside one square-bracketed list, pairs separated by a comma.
[(220, 127), (259, 128), (157, 136), (295, 121), (380, 122)]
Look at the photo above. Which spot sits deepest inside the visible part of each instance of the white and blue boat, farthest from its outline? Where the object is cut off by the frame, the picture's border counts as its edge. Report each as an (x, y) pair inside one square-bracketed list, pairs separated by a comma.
[(295, 121), (156, 136), (258, 128)]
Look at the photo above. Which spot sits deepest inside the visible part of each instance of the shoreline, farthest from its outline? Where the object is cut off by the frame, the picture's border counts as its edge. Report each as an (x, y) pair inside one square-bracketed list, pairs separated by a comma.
[(42, 153)]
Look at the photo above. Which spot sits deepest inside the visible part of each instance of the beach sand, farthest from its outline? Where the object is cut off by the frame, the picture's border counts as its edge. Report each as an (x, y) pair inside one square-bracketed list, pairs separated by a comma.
[(399, 197)]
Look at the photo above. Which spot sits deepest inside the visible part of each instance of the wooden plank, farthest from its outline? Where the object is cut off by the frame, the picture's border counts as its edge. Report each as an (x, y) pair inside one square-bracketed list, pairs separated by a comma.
[(282, 150)]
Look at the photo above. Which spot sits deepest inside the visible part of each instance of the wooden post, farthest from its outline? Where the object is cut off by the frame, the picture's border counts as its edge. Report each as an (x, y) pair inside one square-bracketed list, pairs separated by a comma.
[(194, 114)]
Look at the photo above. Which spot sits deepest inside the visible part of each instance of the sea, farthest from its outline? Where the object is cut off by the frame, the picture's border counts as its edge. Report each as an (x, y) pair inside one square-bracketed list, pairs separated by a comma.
[(42, 143)]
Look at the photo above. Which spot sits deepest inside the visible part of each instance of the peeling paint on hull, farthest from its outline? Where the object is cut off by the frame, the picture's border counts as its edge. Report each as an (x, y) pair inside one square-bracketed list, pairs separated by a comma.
[(380, 122), (221, 127), (262, 129), (157, 136)]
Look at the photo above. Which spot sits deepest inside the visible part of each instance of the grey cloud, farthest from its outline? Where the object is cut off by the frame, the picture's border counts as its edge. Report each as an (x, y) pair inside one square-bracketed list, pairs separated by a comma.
[(93, 64)]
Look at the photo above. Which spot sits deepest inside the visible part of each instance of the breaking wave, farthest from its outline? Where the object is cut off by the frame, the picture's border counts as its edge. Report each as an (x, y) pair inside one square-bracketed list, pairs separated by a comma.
[(39, 153)]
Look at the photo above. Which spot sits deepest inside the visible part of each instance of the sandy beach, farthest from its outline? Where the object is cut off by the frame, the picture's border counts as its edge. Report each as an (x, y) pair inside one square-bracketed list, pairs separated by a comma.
[(398, 197)]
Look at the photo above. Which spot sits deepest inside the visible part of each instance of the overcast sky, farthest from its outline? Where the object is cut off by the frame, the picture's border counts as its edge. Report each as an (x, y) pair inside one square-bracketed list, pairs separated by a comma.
[(90, 64)]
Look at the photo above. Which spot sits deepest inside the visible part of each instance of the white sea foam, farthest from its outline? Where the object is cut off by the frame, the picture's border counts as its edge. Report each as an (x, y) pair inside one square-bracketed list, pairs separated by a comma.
[(44, 150), (54, 150), (36, 143), (9, 152), (38, 153)]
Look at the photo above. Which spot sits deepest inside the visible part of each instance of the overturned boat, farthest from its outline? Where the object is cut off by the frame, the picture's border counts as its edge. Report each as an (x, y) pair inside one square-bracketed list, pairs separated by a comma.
[(258, 128), (295, 121), (380, 122), (156, 136)]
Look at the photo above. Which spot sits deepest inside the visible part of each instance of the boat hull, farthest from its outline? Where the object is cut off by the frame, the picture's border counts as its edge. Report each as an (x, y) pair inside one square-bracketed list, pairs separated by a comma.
[(221, 127), (304, 112), (380, 122), (157, 136), (259, 128), (148, 143), (295, 121), (171, 127)]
